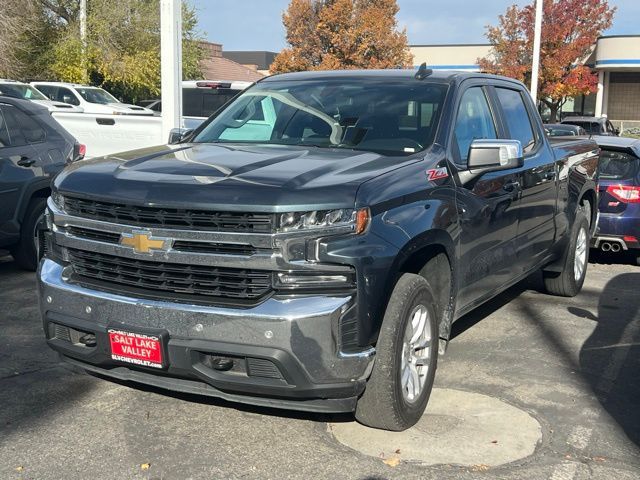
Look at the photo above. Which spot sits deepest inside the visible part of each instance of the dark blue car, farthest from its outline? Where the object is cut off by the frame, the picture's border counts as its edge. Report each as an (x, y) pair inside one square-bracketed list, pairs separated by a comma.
[(619, 223)]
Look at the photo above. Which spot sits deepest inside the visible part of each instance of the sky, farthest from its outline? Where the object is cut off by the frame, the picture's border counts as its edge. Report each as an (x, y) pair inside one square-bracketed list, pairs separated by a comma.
[(257, 24)]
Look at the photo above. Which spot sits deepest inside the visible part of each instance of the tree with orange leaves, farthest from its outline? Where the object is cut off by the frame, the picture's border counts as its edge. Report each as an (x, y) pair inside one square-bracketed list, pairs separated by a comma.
[(342, 34), (570, 29)]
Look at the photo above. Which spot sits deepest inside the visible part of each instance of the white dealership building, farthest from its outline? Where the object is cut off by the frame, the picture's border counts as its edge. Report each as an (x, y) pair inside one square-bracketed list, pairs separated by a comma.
[(615, 58)]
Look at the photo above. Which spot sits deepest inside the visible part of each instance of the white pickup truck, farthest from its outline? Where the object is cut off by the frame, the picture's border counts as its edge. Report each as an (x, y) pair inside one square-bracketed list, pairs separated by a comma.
[(109, 133)]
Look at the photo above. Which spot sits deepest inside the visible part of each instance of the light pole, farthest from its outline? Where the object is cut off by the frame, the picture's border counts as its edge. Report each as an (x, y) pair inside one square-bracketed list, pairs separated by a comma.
[(170, 64), (537, 33), (83, 38)]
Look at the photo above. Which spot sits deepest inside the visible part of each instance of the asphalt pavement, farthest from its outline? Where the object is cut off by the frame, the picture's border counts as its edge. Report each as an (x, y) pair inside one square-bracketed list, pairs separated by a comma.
[(569, 366)]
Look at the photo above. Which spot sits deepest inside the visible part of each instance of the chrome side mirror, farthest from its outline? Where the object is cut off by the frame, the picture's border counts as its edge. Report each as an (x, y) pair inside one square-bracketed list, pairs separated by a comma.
[(491, 155)]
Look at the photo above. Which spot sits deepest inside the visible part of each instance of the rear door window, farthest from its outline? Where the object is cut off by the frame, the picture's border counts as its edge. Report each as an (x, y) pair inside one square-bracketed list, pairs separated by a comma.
[(618, 165), (517, 118), (23, 128)]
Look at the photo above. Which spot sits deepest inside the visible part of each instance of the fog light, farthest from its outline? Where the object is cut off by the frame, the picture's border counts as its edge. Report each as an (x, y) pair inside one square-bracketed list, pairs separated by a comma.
[(303, 280), (222, 364), (294, 280)]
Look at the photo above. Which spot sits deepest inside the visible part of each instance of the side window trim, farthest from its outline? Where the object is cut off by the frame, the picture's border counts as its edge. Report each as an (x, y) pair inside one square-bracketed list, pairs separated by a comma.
[(497, 122), (3, 125), (535, 128)]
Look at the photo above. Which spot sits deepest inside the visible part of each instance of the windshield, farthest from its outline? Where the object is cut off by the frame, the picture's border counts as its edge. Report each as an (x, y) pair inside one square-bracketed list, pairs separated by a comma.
[(382, 115), (96, 95), (21, 91)]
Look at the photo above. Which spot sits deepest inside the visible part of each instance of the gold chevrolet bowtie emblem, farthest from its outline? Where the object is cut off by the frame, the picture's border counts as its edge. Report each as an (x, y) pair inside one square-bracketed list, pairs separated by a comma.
[(143, 242)]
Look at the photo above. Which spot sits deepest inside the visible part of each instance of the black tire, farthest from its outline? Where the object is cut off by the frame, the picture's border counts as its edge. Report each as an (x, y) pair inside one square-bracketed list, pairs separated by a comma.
[(25, 253), (383, 404), (565, 283)]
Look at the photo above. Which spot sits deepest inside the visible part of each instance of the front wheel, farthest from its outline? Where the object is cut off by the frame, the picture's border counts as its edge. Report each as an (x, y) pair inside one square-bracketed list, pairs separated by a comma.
[(398, 390), (569, 281)]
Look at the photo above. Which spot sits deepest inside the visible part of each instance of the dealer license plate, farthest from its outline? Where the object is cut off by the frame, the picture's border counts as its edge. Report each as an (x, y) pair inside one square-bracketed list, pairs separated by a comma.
[(137, 348)]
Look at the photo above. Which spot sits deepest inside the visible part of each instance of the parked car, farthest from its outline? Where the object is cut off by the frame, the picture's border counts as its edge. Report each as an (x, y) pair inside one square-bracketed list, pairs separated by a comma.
[(33, 149), (563, 130), (201, 99), (12, 88), (593, 125), (90, 99), (619, 222), (310, 245)]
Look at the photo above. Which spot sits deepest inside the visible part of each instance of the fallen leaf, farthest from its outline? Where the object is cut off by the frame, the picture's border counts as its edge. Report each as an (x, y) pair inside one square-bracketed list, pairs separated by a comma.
[(392, 462), (19, 468), (480, 468), (145, 466), (398, 452)]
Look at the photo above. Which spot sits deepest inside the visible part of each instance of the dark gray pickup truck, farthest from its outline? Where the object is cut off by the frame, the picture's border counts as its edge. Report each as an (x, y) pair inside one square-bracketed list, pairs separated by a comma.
[(310, 245)]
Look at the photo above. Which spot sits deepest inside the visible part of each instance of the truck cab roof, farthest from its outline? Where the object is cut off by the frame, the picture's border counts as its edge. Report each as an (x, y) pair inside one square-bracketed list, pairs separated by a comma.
[(444, 76)]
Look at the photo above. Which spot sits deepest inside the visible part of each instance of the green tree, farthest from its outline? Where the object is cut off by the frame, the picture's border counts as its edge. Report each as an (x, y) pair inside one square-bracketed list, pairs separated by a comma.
[(123, 45), (570, 29), (342, 34)]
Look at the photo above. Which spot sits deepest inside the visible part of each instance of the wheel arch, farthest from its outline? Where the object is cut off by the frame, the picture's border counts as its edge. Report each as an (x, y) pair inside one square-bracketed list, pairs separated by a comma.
[(437, 246), (37, 189)]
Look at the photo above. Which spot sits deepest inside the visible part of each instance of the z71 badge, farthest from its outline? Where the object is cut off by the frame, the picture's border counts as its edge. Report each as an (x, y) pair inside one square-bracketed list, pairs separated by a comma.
[(437, 173)]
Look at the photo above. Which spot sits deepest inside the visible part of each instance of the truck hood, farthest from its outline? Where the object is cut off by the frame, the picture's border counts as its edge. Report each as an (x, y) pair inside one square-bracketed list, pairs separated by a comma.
[(230, 177), (54, 106), (129, 109)]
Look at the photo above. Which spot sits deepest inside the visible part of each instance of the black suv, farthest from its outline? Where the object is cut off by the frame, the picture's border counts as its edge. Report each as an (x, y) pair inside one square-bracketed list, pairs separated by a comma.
[(33, 149)]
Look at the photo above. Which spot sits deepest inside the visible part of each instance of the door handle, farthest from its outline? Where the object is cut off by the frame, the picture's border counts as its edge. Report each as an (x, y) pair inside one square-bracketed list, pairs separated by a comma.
[(511, 187), (26, 161)]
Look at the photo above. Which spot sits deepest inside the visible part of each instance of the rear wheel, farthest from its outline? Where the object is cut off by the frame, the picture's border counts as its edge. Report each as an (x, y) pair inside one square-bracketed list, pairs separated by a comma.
[(26, 252), (398, 390), (569, 281)]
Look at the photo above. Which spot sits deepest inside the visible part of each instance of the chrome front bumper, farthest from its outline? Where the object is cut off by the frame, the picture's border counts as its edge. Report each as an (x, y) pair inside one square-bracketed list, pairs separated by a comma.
[(299, 334)]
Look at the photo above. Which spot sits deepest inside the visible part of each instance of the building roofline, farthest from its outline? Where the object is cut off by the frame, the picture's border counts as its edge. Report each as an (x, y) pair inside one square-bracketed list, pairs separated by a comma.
[(453, 45), (634, 35)]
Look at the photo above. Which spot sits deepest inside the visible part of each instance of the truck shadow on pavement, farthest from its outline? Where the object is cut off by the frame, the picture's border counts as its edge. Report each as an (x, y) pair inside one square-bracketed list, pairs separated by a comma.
[(610, 357)]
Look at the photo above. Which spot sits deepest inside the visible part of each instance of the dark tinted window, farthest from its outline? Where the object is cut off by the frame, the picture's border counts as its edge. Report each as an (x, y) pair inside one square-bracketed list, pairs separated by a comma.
[(617, 165), (66, 96), (4, 132), (203, 102), (49, 92), (23, 128), (474, 121), (592, 128), (517, 117)]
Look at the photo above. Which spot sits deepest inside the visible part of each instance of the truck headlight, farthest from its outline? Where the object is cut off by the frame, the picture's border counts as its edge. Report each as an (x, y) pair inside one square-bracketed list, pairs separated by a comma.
[(58, 199), (341, 217)]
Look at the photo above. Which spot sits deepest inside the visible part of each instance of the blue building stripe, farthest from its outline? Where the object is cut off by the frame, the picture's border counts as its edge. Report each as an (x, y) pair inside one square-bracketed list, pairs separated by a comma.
[(629, 61)]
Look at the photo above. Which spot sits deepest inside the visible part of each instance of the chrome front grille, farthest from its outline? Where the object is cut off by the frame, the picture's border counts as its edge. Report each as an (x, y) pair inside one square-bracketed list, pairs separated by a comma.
[(187, 246), (153, 277), (161, 217)]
